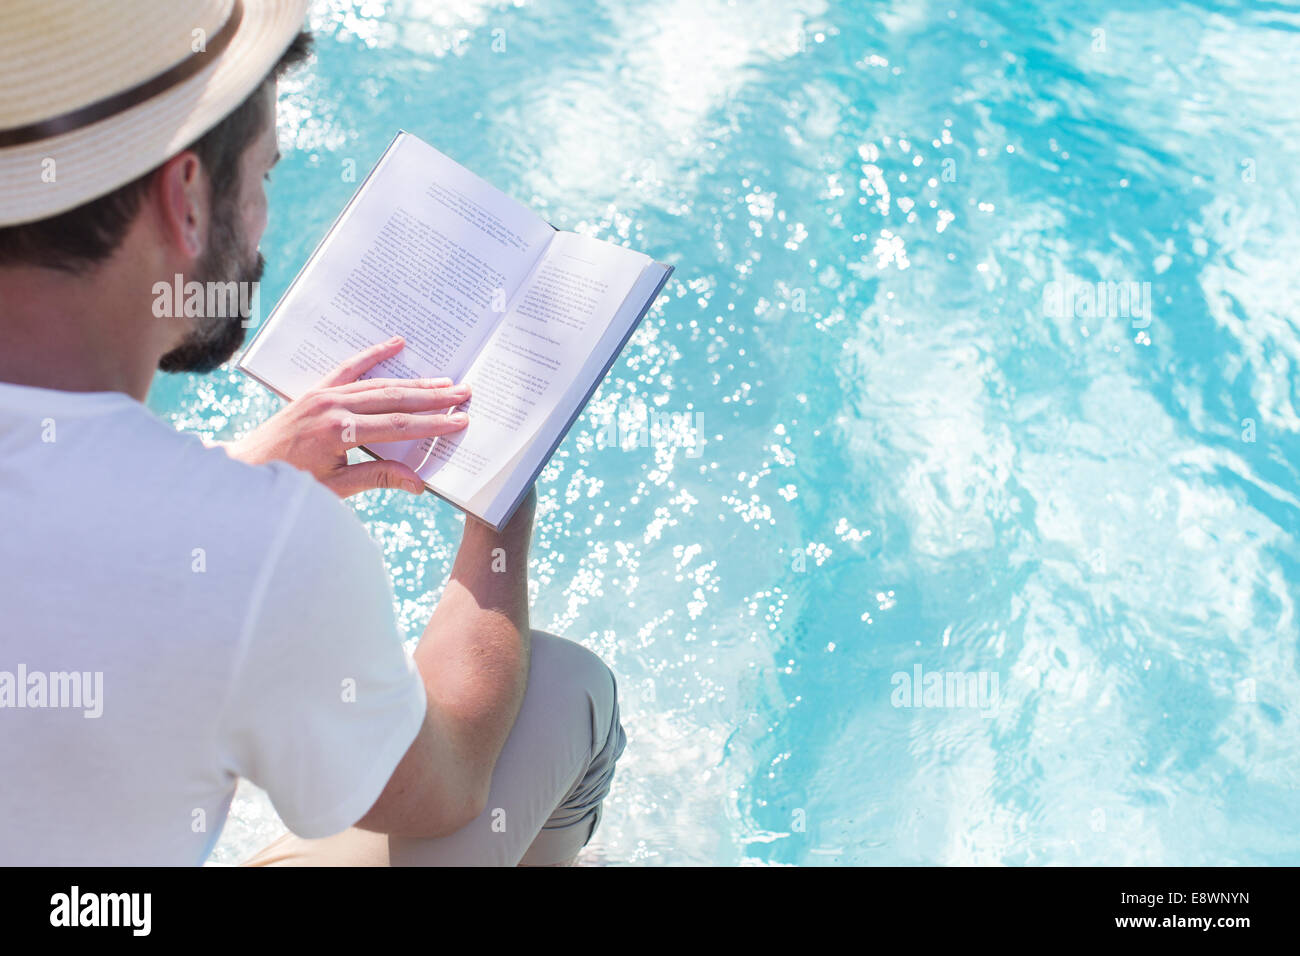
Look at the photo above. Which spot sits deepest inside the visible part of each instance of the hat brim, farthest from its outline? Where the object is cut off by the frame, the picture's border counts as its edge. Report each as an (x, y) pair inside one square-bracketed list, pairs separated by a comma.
[(95, 160)]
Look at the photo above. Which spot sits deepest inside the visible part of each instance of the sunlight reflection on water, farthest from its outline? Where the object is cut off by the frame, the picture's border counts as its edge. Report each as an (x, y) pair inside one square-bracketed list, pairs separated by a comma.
[(908, 461)]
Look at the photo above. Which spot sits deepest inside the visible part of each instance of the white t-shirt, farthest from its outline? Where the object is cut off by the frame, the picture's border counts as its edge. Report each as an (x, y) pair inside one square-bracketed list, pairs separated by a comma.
[(222, 620)]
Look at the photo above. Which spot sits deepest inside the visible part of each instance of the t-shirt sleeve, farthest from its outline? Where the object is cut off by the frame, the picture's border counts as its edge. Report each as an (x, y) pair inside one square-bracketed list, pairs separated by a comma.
[(324, 701)]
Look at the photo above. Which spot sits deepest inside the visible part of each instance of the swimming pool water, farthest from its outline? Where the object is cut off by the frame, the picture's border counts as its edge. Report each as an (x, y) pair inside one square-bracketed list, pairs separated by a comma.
[(921, 451)]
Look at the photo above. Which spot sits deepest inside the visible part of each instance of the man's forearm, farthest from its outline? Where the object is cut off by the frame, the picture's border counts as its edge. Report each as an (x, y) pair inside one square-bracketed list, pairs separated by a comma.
[(474, 653)]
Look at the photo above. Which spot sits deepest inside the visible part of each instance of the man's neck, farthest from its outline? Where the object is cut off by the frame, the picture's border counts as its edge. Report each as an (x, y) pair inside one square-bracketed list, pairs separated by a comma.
[(75, 333)]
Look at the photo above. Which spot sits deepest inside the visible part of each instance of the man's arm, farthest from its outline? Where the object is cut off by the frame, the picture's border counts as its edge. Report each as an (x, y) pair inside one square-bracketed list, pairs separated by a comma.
[(473, 658)]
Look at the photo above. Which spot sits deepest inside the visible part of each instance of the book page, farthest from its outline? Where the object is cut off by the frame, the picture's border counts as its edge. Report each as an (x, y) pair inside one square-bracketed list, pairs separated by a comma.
[(532, 359), (496, 499), (426, 250)]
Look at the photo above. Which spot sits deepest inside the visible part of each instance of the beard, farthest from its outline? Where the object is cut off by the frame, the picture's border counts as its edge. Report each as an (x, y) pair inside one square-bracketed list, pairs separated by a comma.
[(215, 338)]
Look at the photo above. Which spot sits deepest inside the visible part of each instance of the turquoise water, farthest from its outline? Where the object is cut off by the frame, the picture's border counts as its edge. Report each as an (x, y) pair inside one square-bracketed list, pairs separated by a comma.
[(913, 457)]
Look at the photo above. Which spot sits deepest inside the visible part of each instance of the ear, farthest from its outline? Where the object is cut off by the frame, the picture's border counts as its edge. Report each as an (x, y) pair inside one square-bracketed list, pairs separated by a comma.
[(180, 191)]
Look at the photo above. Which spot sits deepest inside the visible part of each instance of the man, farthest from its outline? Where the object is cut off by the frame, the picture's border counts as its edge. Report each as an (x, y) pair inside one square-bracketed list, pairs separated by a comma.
[(174, 616)]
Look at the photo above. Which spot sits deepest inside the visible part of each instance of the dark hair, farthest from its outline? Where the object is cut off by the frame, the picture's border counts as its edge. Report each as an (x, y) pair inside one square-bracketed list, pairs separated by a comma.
[(82, 237)]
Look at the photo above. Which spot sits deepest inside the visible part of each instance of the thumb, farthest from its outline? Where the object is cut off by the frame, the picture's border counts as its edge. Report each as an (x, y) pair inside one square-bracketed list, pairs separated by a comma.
[(363, 476)]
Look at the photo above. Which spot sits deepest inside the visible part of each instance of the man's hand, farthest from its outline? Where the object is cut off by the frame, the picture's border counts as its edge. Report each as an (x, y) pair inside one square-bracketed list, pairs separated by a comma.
[(343, 411)]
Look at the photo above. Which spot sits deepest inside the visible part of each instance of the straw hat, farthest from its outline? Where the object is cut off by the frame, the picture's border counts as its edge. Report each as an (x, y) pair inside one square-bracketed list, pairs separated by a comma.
[(95, 94)]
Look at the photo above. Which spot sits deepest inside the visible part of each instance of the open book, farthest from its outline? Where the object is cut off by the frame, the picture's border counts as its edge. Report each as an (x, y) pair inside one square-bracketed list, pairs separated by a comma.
[(484, 291)]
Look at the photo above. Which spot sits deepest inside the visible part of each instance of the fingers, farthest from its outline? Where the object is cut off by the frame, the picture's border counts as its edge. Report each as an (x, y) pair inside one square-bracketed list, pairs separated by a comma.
[(402, 426), (353, 368), (403, 398), (367, 475), (362, 385)]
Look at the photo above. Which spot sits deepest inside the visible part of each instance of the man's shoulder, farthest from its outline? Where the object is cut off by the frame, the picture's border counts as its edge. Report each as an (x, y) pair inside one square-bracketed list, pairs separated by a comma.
[(269, 532), (173, 479), (141, 493), (207, 479)]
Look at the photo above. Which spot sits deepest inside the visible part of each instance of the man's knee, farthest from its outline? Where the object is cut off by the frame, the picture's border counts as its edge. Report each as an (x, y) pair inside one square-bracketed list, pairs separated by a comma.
[(578, 683), (568, 676), (570, 671)]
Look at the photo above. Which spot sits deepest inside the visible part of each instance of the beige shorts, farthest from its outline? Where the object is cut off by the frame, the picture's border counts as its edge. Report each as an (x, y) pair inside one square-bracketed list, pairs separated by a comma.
[(548, 787)]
